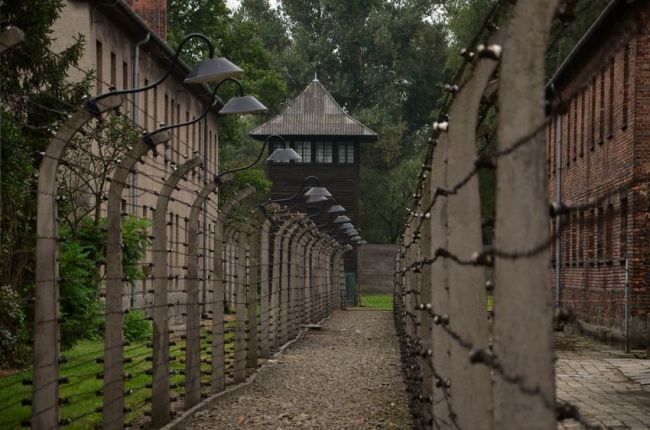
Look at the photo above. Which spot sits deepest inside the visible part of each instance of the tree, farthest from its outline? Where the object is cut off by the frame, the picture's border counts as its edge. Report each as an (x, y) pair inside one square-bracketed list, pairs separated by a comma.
[(35, 97)]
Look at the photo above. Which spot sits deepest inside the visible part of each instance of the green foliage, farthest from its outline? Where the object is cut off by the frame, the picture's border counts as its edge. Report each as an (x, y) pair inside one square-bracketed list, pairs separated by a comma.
[(136, 326), (12, 328), (135, 240), (81, 255)]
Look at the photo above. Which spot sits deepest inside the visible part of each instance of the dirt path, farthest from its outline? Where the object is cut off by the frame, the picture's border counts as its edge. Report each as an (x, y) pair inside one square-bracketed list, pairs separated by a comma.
[(346, 376)]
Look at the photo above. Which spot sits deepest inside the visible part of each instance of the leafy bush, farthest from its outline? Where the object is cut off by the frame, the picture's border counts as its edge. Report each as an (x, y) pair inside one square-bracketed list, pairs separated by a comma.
[(137, 326), (81, 255), (12, 327)]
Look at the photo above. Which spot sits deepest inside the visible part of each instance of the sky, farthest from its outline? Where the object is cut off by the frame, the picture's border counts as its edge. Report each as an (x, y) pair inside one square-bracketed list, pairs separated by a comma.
[(232, 4)]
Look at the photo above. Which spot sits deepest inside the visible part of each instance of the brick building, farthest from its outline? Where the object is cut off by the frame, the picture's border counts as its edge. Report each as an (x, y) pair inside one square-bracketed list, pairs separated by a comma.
[(599, 160), (126, 47)]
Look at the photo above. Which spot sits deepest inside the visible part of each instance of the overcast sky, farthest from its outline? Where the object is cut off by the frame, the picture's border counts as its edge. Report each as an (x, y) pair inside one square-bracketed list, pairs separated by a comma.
[(232, 4)]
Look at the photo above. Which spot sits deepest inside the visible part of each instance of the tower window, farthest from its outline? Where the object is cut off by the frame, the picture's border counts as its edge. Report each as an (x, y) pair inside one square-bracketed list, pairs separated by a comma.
[(323, 152), (346, 152)]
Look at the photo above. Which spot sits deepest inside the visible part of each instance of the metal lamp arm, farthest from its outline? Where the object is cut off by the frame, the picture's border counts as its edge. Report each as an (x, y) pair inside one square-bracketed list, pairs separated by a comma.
[(216, 101), (239, 169), (167, 73)]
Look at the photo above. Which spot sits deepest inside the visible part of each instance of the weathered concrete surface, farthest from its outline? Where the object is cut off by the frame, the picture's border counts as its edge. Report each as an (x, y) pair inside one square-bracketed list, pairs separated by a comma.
[(345, 376), (375, 268), (610, 389)]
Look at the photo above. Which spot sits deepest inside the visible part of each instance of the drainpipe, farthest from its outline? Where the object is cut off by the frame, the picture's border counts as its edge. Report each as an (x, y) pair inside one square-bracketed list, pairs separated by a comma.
[(558, 202), (135, 117), (136, 108)]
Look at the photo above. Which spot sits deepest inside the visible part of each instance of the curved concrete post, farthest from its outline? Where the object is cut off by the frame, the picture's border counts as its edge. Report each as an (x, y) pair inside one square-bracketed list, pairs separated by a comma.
[(254, 239), (286, 284), (297, 278), (309, 294), (265, 290), (10, 37), (218, 379), (241, 281), (45, 385), (523, 325), (472, 386), (160, 406), (113, 407), (276, 281), (442, 412), (193, 318)]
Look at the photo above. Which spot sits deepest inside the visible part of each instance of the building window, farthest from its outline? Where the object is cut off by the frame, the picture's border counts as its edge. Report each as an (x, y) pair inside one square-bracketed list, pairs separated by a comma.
[(346, 152), (601, 234), (99, 64), (626, 84), (155, 108), (601, 129), (113, 70), (592, 143), (125, 74), (568, 137), (323, 152), (590, 228), (575, 129), (304, 150), (187, 132), (623, 232), (609, 232), (178, 131), (583, 134), (276, 145), (610, 116), (581, 237)]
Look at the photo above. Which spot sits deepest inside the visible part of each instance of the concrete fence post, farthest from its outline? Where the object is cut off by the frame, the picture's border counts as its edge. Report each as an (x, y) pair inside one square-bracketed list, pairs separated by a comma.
[(45, 384), (523, 325), (468, 317), (443, 415), (241, 281), (265, 290), (160, 405), (192, 307), (276, 283), (113, 406)]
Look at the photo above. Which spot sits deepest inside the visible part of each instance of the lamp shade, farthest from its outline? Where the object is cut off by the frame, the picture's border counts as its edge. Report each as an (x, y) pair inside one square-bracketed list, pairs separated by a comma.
[(315, 199), (362, 242), (341, 219), (317, 191), (214, 69), (336, 209), (242, 105), (346, 226), (351, 232), (356, 238), (284, 155)]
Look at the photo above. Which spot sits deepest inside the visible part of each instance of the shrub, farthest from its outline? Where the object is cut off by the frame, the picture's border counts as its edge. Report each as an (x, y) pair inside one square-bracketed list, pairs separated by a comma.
[(12, 328), (137, 326)]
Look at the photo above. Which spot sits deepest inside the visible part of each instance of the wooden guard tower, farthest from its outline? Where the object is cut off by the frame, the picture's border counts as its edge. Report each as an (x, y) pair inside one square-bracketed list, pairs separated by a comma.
[(327, 138)]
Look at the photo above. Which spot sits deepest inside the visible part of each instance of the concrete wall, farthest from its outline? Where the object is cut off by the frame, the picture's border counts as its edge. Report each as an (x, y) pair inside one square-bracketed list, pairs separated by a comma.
[(376, 266)]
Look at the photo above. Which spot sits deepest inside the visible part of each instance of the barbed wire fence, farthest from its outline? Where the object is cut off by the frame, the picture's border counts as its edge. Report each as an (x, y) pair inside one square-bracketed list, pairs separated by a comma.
[(256, 299), (467, 366)]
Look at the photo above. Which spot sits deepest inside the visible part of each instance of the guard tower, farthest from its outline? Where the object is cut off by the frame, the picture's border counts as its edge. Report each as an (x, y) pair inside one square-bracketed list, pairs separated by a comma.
[(327, 139)]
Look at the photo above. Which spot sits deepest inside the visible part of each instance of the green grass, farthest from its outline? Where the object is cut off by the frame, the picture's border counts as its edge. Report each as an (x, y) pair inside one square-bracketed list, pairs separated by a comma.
[(377, 301), (83, 391)]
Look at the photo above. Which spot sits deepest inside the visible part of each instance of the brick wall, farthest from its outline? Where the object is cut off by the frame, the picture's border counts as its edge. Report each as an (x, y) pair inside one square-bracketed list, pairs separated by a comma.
[(154, 13), (596, 148)]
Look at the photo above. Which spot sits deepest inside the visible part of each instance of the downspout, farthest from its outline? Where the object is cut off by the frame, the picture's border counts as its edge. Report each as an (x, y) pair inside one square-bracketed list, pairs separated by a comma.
[(135, 117), (558, 201)]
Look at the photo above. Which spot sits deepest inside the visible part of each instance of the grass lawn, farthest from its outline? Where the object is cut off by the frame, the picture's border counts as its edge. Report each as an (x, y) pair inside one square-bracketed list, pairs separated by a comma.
[(377, 301), (81, 395)]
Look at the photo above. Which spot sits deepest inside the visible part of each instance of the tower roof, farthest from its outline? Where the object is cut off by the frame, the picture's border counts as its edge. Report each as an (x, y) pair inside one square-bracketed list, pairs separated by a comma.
[(314, 113)]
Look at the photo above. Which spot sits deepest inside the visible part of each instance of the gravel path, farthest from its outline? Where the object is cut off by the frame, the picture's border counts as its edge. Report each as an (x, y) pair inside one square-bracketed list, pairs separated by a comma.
[(346, 376)]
